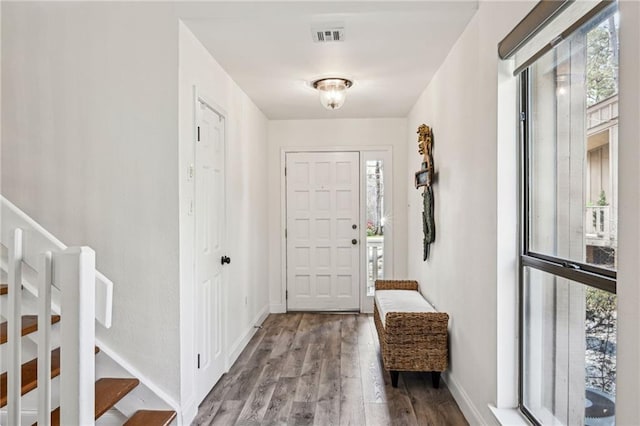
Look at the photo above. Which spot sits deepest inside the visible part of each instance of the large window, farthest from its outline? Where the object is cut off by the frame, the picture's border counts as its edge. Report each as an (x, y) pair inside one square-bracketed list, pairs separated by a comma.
[(569, 105)]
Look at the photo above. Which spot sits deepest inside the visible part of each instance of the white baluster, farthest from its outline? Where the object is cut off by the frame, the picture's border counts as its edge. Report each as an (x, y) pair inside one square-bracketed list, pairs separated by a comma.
[(14, 332), (375, 263), (44, 340), (74, 273)]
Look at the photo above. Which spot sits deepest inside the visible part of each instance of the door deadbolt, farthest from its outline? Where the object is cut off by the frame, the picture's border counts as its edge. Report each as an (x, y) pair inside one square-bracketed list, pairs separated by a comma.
[(354, 226)]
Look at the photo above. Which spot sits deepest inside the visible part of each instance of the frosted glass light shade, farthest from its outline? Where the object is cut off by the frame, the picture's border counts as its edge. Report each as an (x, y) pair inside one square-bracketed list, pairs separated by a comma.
[(332, 91)]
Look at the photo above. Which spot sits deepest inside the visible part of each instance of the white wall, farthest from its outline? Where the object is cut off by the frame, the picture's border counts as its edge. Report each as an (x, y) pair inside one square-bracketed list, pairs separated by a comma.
[(98, 137), (0, 94), (89, 150), (628, 349), (341, 133), (461, 275), (246, 300)]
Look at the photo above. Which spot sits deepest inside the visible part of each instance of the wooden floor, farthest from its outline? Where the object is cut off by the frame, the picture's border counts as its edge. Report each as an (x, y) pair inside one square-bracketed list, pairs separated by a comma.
[(322, 369)]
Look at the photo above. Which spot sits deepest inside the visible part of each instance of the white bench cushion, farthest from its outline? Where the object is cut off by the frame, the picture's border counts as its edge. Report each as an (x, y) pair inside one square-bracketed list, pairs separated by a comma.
[(400, 301)]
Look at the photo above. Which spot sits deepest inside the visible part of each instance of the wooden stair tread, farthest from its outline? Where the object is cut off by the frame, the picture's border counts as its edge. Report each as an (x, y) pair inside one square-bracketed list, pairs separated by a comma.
[(108, 392), (151, 418), (4, 289), (29, 325), (55, 417), (30, 376)]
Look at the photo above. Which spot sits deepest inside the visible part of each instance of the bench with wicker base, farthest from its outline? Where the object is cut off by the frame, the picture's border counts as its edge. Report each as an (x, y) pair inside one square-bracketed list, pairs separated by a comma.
[(412, 334)]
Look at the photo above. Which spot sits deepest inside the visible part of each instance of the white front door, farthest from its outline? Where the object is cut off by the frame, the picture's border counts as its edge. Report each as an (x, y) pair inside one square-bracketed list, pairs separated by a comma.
[(323, 204), (209, 246)]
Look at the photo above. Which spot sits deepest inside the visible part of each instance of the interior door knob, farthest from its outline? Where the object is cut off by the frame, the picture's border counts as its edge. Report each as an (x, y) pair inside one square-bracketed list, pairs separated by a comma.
[(354, 241), (225, 259)]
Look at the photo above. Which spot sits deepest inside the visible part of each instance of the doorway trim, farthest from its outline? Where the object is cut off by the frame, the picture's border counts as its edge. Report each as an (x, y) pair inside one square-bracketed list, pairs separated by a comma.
[(365, 152)]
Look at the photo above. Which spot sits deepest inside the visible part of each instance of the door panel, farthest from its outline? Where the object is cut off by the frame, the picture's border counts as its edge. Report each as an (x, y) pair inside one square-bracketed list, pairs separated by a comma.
[(210, 220), (322, 208)]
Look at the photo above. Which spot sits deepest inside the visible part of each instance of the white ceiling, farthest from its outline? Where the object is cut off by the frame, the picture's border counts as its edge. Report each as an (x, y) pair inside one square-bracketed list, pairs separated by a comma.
[(391, 51)]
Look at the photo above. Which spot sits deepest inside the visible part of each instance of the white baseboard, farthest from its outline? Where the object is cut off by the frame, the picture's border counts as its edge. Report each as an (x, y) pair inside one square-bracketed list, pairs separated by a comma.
[(468, 408), (278, 308), (189, 412), (241, 343)]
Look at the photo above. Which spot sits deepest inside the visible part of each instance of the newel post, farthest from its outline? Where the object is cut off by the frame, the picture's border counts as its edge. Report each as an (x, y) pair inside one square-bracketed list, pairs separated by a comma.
[(75, 275)]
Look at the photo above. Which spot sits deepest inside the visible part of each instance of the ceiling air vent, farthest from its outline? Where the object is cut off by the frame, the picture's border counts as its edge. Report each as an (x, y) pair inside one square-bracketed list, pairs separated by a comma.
[(325, 35)]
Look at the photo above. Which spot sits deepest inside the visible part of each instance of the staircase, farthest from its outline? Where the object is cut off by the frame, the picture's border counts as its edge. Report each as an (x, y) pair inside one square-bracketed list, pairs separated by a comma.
[(33, 330)]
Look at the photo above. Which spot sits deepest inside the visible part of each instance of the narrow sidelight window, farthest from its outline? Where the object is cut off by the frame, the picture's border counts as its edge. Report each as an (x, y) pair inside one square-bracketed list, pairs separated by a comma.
[(375, 223)]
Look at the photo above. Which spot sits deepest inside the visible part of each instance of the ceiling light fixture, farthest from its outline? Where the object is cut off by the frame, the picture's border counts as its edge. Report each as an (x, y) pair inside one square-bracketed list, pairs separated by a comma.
[(332, 91)]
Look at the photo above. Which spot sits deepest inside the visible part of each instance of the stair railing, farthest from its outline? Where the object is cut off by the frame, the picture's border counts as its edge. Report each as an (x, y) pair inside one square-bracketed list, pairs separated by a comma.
[(86, 295)]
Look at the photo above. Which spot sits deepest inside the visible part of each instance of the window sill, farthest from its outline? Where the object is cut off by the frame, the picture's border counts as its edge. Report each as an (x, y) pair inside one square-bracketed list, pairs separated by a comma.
[(509, 416)]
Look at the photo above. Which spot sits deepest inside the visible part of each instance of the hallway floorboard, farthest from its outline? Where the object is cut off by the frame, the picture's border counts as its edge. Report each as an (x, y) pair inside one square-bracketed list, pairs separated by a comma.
[(322, 369)]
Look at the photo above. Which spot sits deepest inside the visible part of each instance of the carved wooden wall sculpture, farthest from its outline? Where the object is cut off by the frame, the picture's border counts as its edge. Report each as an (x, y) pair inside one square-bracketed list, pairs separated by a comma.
[(424, 179)]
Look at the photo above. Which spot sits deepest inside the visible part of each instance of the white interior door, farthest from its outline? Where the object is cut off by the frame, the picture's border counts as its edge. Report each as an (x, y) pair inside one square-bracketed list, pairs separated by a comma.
[(323, 268), (209, 246)]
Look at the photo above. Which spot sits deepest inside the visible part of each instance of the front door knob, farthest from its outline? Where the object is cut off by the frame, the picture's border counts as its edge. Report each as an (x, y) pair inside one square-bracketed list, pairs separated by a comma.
[(354, 241), (225, 259)]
